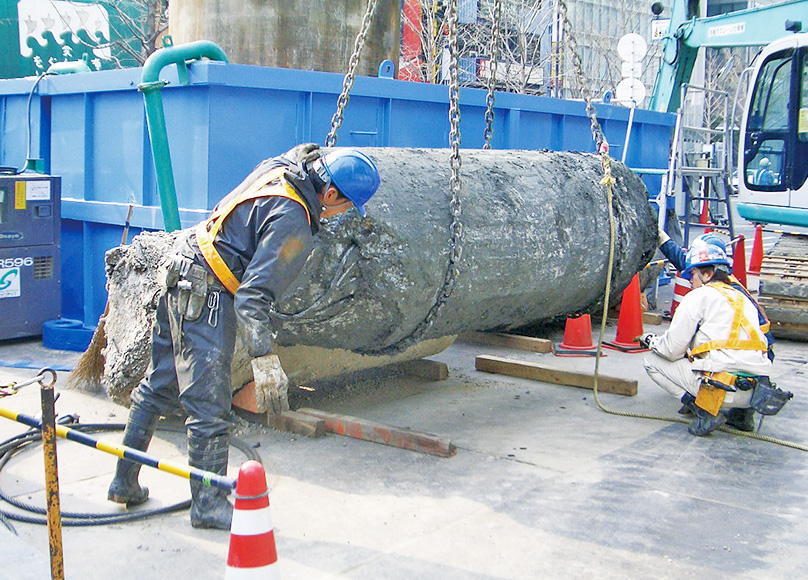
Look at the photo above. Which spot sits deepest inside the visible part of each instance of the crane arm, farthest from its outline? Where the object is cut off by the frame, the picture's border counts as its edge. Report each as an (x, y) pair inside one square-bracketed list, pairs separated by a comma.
[(687, 33)]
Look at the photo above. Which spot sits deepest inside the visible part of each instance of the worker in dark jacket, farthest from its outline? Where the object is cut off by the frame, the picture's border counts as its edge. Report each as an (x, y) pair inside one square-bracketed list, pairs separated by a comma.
[(225, 279)]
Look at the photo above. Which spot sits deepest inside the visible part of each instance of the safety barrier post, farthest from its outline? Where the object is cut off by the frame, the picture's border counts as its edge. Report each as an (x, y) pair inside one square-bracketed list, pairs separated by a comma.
[(52, 479)]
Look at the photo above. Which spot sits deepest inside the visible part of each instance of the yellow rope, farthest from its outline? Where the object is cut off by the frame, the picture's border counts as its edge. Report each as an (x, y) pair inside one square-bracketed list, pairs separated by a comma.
[(608, 181)]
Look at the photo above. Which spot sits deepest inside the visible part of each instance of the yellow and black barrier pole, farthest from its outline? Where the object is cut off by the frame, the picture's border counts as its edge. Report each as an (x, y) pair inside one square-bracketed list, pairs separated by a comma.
[(48, 428), (222, 482)]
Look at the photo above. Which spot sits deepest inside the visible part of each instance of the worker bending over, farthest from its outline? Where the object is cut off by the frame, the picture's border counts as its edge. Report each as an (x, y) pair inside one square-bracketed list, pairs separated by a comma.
[(225, 279), (714, 356)]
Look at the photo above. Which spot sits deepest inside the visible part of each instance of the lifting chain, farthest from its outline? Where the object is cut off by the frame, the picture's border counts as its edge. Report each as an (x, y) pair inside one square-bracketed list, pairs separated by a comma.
[(608, 182), (455, 205), (347, 83), (597, 132), (492, 72)]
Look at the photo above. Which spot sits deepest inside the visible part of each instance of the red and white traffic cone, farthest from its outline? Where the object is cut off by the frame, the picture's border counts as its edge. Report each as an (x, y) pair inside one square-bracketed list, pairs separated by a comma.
[(680, 288), (252, 553)]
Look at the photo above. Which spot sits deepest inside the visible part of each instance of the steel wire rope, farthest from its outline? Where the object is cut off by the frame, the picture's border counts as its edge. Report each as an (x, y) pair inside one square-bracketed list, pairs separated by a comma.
[(608, 182), (20, 442)]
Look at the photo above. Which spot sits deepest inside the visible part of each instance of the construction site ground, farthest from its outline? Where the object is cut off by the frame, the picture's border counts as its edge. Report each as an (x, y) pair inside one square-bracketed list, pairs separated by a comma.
[(544, 484)]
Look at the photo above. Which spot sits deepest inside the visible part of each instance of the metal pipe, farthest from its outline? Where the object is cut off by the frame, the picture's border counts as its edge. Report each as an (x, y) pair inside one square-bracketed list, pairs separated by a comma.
[(151, 86), (222, 482), (48, 427)]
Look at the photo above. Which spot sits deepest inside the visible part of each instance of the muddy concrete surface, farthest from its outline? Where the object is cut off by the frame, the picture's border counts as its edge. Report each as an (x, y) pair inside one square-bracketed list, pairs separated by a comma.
[(543, 485)]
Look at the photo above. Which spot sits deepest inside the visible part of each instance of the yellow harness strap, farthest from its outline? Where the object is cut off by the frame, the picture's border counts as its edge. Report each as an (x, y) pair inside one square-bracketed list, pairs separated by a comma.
[(207, 230), (739, 321), (766, 326)]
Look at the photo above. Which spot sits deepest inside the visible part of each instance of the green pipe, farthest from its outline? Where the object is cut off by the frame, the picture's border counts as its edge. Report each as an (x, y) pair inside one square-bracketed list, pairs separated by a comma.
[(151, 86)]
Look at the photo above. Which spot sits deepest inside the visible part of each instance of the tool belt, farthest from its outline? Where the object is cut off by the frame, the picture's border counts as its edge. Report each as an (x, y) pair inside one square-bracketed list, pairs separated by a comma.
[(766, 399), (195, 282)]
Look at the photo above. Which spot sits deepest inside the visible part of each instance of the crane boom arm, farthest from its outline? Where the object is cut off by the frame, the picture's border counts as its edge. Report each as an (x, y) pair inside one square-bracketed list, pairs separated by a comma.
[(688, 33)]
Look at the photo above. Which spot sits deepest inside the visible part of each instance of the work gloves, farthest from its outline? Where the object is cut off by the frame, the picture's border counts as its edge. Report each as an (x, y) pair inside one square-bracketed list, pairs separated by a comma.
[(304, 153), (662, 236), (645, 339), (271, 385)]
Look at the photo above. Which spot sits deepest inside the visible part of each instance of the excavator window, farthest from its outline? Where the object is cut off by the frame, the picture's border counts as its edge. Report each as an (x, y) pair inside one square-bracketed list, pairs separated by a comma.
[(800, 162), (767, 139)]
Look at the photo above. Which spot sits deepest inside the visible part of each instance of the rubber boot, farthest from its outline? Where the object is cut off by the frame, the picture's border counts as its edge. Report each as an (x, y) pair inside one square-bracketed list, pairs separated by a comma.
[(688, 402), (125, 488), (741, 419), (209, 505), (704, 423)]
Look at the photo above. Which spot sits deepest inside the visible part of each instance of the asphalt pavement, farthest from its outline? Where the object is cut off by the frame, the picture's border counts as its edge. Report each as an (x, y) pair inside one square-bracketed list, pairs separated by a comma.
[(544, 483)]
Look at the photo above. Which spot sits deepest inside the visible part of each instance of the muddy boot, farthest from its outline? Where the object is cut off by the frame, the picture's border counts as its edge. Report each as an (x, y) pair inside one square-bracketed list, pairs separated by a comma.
[(704, 423), (688, 402), (209, 505), (741, 419), (125, 488)]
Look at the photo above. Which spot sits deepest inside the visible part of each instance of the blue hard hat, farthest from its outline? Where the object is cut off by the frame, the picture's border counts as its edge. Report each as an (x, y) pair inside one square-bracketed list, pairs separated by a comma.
[(713, 239), (704, 253), (354, 174)]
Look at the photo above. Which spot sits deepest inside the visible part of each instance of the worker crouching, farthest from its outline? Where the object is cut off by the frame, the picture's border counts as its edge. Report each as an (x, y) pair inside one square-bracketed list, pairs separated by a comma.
[(714, 357), (224, 279)]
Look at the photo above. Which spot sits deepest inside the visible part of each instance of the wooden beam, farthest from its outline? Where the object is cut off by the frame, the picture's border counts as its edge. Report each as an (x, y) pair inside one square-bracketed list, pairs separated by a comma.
[(289, 421), (537, 372), (652, 318), (384, 434), (514, 341), (424, 368)]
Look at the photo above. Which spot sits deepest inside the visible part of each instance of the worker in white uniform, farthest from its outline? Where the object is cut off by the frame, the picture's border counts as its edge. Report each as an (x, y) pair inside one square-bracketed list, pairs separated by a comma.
[(715, 351)]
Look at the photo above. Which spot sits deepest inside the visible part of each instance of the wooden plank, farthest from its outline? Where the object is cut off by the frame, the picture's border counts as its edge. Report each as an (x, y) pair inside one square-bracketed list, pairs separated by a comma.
[(424, 368), (652, 318), (294, 422), (514, 341), (290, 421), (546, 374), (384, 434)]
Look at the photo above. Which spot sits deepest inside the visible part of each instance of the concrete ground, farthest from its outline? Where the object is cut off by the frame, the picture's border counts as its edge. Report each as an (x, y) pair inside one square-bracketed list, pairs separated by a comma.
[(544, 484)]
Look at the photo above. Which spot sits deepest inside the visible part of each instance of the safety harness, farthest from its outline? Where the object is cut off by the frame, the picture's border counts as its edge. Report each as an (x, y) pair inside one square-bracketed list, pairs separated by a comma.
[(271, 184), (739, 321), (714, 387)]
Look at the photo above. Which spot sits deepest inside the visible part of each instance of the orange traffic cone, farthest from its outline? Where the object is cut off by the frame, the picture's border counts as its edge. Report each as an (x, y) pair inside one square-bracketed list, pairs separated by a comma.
[(252, 551), (704, 218), (755, 261), (577, 338), (739, 260), (629, 323), (681, 287)]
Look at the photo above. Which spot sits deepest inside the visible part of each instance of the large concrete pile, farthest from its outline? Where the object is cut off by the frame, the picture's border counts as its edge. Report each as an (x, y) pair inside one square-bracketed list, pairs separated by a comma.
[(535, 246)]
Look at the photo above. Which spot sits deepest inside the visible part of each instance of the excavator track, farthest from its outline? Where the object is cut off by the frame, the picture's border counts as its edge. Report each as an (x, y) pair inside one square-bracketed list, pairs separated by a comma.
[(784, 287)]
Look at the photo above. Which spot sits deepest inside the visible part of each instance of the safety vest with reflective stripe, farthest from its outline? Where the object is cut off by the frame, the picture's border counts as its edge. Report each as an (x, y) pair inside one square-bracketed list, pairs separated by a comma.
[(739, 321), (207, 230)]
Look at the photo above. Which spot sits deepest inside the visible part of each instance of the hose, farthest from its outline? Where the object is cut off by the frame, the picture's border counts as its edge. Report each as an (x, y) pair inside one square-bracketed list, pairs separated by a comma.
[(18, 443), (608, 181)]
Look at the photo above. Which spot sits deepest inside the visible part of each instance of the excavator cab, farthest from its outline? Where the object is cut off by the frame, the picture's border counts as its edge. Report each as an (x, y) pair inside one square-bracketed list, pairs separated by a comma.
[(773, 155)]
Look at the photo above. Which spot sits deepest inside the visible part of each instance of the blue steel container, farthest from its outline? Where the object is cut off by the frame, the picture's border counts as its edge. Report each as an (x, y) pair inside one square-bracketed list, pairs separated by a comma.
[(90, 129)]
